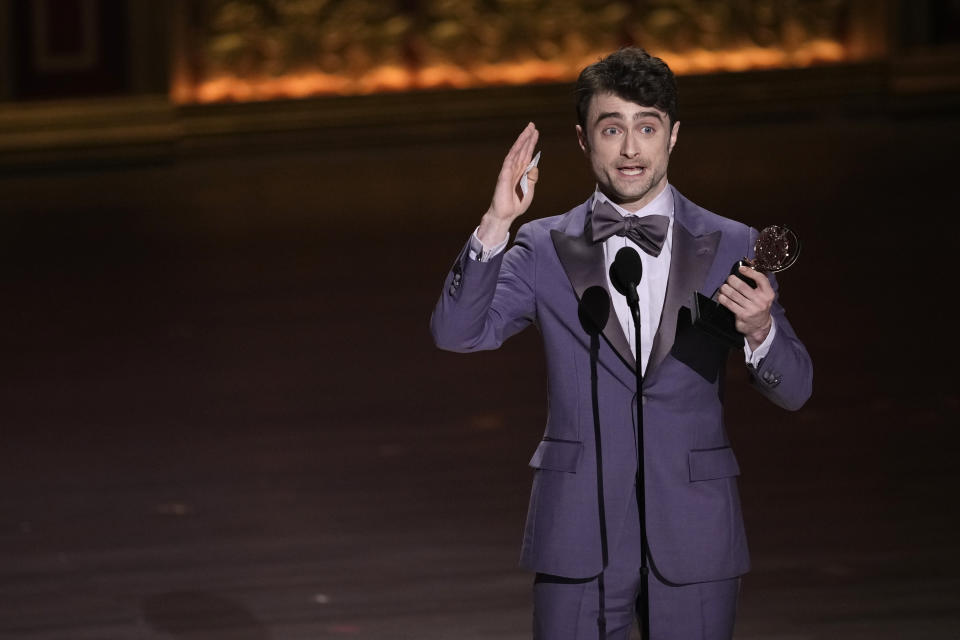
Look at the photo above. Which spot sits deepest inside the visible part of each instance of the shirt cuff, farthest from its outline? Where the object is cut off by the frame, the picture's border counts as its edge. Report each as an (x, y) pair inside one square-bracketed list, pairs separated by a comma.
[(476, 250), (754, 357)]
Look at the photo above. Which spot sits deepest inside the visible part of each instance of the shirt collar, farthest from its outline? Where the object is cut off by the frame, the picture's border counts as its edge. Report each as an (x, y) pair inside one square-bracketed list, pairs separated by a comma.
[(661, 205)]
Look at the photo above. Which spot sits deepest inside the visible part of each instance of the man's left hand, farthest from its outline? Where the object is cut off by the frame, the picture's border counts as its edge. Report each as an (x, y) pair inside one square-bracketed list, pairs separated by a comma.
[(750, 306)]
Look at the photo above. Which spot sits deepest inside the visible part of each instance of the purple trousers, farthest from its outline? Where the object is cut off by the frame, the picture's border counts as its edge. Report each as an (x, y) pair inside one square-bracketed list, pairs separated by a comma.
[(568, 609)]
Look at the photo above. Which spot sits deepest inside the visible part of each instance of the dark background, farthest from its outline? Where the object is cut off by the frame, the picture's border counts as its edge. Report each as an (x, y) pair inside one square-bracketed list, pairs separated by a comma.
[(223, 417)]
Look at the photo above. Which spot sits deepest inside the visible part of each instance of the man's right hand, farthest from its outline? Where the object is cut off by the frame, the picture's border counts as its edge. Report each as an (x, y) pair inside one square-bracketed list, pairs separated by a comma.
[(508, 202)]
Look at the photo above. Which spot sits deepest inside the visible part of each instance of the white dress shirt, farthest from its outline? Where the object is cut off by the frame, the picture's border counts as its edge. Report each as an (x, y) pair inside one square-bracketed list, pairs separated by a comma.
[(652, 289)]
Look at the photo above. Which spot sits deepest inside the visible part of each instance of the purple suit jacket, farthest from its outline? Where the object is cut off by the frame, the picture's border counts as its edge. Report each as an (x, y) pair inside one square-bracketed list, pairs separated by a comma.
[(694, 523)]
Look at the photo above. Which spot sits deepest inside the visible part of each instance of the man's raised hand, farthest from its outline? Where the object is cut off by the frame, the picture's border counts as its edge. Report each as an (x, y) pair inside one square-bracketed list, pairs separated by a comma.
[(508, 202)]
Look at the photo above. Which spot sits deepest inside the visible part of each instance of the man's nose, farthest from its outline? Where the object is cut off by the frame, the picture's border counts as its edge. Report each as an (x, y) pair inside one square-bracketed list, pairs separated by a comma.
[(630, 146)]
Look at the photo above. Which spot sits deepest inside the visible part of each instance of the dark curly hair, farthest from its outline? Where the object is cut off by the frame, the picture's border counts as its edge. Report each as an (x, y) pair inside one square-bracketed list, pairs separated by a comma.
[(632, 74)]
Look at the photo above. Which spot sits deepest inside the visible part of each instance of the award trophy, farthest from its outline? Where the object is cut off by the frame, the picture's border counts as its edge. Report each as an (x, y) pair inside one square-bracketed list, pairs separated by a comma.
[(776, 249)]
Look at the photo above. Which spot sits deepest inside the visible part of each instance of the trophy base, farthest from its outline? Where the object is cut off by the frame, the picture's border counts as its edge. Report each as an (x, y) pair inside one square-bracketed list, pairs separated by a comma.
[(716, 320)]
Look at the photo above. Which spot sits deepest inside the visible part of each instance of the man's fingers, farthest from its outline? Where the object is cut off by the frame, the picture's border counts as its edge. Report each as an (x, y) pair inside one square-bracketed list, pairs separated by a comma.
[(763, 282), (725, 301), (742, 308), (528, 140), (531, 144), (523, 147), (520, 154), (764, 294), (514, 155), (761, 295), (509, 200), (526, 151), (743, 300), (741, 286), (531, 184), (763, 291), (730, 290), (521, 140), (738, 302)]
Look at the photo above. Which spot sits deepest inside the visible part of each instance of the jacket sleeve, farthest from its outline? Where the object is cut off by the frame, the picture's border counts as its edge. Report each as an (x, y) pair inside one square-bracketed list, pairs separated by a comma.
[(484, 303), (785, 375)]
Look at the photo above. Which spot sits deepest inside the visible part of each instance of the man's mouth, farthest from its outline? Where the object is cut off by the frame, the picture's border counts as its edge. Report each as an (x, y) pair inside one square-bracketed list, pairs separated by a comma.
[(631, 170)]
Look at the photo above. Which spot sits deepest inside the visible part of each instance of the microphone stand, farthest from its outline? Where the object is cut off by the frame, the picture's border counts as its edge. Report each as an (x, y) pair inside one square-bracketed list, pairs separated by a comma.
[(593, 312), (641, 485), (594, 352), (625, 275)]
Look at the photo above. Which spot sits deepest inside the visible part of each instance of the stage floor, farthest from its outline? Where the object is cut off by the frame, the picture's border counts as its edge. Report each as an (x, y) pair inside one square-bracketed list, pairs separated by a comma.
[(223, 416), (256, 439)]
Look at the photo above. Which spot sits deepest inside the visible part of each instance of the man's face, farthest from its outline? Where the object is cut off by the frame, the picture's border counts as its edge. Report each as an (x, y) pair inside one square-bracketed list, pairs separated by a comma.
[(629, 147)]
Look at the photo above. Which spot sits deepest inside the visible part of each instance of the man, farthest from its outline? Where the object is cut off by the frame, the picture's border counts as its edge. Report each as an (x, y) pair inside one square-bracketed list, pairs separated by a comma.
[(626, 107)]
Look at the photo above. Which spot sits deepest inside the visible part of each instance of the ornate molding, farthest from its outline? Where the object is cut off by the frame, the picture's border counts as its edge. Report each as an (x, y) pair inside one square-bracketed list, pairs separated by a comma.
[(242, 50)]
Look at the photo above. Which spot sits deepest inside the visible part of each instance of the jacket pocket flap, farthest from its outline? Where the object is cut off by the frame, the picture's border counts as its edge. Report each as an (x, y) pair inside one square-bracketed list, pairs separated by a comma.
[(557, 455), (710, 464)]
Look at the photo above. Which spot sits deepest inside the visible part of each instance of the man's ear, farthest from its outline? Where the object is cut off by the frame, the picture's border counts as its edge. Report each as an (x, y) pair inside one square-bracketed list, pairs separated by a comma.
[(582, 139), (673, 135)]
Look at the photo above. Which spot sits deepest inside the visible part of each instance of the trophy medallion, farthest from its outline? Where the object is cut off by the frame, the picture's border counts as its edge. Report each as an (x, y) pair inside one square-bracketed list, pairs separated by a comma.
[(776, 249)]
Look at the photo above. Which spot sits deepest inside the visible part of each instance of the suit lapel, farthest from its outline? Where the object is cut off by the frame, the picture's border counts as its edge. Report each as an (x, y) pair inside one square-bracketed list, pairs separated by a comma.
[(692, 254), (583, 263)]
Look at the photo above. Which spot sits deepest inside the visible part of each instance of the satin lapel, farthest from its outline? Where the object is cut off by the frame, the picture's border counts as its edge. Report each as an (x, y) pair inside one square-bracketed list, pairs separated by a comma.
[(690, 260), (583, 263)]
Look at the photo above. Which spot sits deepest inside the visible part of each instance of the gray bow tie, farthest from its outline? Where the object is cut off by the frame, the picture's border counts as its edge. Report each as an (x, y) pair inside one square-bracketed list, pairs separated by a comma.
[(647, 232)]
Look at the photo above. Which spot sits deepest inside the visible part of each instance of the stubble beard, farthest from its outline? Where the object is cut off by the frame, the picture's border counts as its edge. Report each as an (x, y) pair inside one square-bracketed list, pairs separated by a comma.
[(639, 192)]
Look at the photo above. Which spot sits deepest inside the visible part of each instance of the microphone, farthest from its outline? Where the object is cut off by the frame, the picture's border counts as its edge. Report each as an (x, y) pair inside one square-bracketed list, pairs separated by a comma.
[(594, 310), (625, 274)]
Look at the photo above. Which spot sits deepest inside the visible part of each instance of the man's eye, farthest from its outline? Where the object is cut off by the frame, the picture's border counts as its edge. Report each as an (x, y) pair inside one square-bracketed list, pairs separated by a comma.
[(647, 130), (610, 131)]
